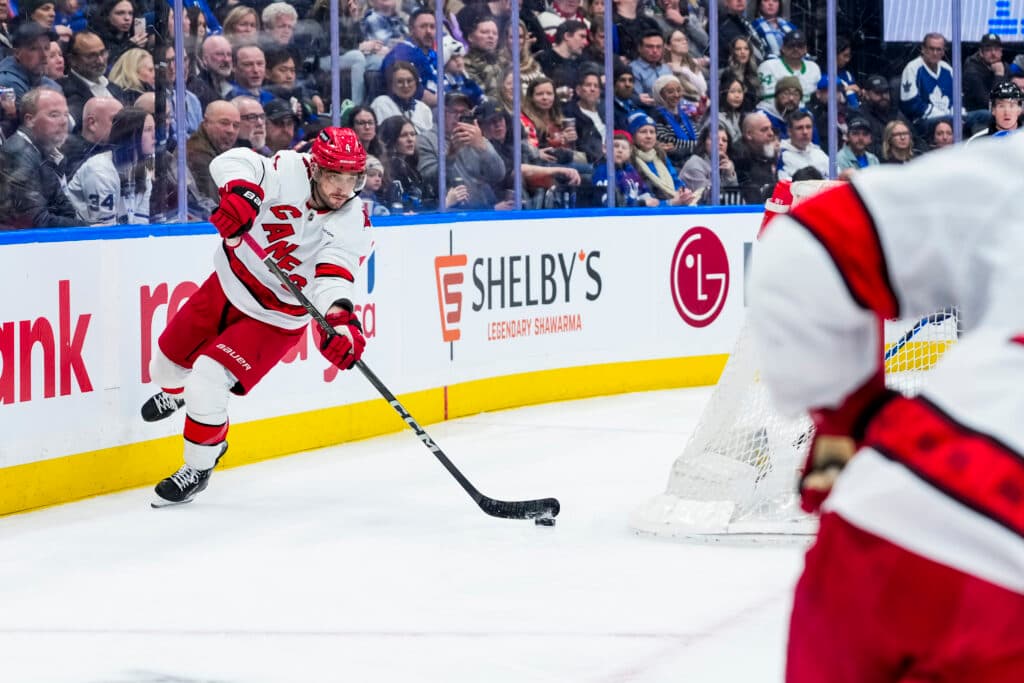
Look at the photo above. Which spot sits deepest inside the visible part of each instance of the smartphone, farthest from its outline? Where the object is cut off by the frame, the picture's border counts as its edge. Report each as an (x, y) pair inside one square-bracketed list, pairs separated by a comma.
[(140, 27), (467, 118)]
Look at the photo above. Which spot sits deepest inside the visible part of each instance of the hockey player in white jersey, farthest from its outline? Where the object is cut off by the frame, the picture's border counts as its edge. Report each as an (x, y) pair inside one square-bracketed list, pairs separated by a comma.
[(303, 210), (917, 573)]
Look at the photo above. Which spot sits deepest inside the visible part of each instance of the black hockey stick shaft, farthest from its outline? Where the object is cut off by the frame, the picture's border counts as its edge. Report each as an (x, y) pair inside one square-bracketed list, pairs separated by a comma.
[(522, 509)]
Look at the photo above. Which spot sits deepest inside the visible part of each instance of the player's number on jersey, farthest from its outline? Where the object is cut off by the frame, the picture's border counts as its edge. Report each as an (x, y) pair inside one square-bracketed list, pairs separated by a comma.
[(107, 203)]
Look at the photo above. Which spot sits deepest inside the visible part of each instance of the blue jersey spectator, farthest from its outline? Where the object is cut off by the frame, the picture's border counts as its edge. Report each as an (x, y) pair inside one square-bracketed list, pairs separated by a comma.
[(770, 27), (926, 89), (418, 50)]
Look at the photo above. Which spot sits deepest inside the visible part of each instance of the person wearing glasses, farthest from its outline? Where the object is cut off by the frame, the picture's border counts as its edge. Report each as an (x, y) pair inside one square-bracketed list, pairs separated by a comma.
[(400, 100), (252, 130), (87, 64), (363, 121), (926, 88), (897, 144)]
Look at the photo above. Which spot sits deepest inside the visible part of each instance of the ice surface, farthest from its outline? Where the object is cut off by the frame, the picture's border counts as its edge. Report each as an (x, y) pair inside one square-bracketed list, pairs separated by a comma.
[(367, 563)]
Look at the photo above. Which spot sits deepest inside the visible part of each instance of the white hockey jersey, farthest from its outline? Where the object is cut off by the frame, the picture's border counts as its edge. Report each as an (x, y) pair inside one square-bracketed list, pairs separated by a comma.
[(101, 198), (943, 474), (321, 251)]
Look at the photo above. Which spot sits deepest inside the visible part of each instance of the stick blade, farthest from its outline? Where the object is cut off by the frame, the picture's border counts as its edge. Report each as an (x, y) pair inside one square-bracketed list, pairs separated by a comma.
[(521, 509)]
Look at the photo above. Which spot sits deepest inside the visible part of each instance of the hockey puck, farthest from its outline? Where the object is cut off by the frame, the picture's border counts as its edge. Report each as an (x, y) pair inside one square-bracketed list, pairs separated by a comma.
[(545, 521)]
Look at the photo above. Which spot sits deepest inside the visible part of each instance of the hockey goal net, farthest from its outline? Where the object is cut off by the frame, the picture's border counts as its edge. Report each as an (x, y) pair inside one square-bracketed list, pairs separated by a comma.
[(736, 477)]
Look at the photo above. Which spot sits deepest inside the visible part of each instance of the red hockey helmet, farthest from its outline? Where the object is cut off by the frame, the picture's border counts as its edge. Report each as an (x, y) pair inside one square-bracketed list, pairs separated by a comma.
[(339, 150)]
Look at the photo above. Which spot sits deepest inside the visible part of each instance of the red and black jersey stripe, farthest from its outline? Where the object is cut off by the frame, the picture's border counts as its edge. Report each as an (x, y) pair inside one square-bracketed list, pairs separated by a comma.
[(334, 270), (838, 219), (972, 467), (259, 291)]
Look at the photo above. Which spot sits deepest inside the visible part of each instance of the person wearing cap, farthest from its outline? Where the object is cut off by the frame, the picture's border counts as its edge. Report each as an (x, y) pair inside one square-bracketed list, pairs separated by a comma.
[(371, 195), (630, 187), (282, 123), (771, 27), (455, 77), (788, 96), (926, 87), (474, 170), (652, 162), (496, 125), (26, 67), (418, 50), (790, 63), (855, 155), (982, 71), (626, 101), (876, 108)]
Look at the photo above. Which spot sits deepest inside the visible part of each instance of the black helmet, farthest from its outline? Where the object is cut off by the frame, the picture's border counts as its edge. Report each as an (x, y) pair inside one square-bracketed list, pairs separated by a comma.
[(1006, 90)]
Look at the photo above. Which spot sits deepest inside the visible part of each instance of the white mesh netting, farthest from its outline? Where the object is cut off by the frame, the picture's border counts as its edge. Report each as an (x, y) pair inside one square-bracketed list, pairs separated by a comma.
[(736, 477)]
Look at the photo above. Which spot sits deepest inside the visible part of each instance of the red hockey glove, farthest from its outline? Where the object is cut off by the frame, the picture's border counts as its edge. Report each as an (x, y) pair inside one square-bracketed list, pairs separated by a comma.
[(240, 203), (837, 436), (345, 347)]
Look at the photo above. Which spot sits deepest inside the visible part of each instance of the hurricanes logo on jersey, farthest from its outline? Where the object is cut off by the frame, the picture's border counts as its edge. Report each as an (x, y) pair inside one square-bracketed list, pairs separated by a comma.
[(699, 277)]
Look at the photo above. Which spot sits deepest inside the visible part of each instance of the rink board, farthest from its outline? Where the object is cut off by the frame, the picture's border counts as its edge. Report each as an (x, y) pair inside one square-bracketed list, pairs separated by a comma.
[(461, 317)]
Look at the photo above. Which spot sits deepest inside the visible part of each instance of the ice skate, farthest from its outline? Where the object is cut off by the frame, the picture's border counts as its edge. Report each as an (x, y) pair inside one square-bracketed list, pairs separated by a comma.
[(182, 486), (160, 406)]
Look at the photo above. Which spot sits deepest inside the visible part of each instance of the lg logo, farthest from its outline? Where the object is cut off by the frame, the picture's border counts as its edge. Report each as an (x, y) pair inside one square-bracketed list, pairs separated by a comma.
[(699, 277)]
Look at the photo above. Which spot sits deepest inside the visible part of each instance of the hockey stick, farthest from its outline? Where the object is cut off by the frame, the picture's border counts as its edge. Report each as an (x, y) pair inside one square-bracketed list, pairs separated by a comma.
[(543, 510)]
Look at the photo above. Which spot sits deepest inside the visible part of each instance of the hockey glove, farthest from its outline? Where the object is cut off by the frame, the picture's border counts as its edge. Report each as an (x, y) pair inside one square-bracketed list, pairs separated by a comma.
[(838, 434), (346, 346), (240, 203)]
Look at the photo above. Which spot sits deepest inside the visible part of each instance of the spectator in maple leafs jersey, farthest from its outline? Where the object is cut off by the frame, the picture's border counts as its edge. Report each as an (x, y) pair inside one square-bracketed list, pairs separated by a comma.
[(791, 63), (926, 88), (114, 187)]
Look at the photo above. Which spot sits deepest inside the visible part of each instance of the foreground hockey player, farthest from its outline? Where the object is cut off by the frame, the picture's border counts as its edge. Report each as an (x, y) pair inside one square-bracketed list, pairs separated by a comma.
[(303, 210), (917, 573)]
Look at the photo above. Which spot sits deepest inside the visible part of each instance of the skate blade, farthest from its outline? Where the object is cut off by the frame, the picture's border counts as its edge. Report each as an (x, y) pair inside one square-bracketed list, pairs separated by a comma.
[(161, 503)]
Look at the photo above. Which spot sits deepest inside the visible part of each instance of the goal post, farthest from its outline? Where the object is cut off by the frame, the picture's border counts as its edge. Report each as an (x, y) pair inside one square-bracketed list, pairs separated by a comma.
[(736, 478)]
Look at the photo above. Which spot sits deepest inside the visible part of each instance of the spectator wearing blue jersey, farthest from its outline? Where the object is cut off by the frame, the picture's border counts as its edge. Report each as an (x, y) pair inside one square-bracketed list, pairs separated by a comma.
[(770, 26), (847, 81), (418, 50), (926, 88), (855, 155)]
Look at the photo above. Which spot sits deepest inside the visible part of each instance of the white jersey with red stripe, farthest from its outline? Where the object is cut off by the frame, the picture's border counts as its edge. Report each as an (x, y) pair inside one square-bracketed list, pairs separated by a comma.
[(321, 251), (943, 474)]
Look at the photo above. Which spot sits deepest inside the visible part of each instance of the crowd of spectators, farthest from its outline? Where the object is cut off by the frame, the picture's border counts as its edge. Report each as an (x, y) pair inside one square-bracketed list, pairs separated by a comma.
[(79, 143)]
